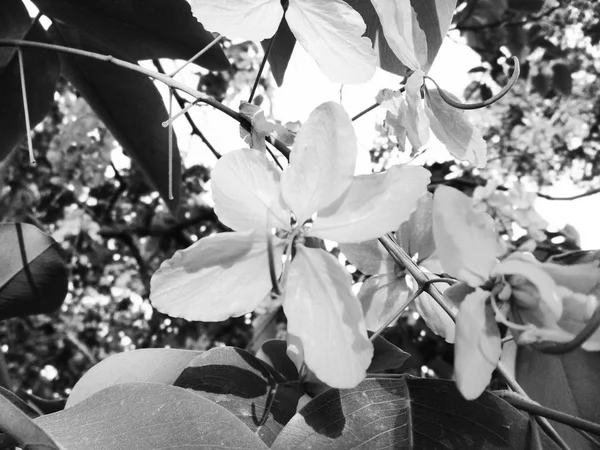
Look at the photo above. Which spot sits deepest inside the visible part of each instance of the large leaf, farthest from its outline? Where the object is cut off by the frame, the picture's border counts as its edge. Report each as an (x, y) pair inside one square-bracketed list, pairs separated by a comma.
[(156, 365), (41, 74), (139, 29), (568, 383), (245, 386), (130, 106), (14, 24), (147, 416), (406, 413), (33, 274), (20, 428)]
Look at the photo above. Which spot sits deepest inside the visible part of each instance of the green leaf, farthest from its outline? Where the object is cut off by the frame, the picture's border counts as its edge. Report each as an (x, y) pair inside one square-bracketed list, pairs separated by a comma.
[(33, 275), (281, 52), (415, 235), (147, 416), (242, 384), (386, 355), (568, 383), (138, 29), (130, 106), (14, 24), (19, 425), (273, 352), (406, 413), (41, 74), (156, 365)]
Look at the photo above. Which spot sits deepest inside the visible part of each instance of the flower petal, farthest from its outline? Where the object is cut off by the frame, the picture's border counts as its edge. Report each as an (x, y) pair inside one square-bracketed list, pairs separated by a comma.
[(220, 276), (374, 205), (415, 235), (380, 297), (370, 257), (545, 312), (417, 122), (465, 240), (253, 20), (247, 192), (583, 277), (326, 316), (477, 349), (402, 31), (436, 318), (322, 162), (453, 129), (331, 32)]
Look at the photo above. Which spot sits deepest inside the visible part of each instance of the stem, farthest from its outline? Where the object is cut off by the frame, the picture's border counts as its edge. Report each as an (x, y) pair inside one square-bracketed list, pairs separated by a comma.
[(513, 79), (396, 315), (526, 404), (261, 68), (170, 137), (282, 148), (365, 111), (196, 56), (559, 348), (25, 106), (404, 261), (181, 102)]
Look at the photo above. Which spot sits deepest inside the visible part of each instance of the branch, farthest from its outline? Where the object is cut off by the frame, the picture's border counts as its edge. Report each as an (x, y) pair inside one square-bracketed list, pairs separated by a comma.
[(405, 262), (181, 102), (526, 404), (244, 122)]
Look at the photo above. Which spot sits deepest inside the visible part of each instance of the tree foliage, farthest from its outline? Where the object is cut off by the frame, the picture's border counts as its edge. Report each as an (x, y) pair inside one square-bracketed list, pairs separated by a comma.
[(335, 357)]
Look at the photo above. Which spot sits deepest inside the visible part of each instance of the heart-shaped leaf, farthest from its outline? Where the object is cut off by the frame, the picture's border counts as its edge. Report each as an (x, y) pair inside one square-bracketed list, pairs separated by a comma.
[(139, 29), (156, 365), (241, 383), (33, 275), (406, 413), (130, 106), (147, 416)]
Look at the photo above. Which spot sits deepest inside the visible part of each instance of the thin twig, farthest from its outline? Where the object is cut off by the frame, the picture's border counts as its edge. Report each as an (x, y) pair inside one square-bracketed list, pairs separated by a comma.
[(196, 56), (559, 348), (25, 105), (526, 404), (396, 315), (459, 105), (365, 111), (245, 122), (182, 104), (261, 68)]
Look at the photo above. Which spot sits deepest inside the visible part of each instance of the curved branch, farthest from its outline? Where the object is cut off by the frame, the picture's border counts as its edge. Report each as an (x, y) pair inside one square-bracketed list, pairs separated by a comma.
[(511, 82), (280, 146), (559, 348)]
